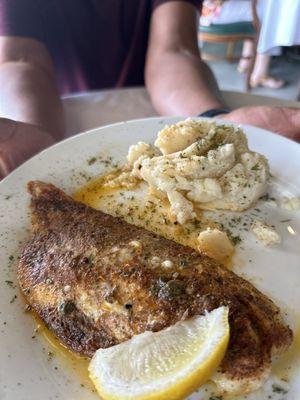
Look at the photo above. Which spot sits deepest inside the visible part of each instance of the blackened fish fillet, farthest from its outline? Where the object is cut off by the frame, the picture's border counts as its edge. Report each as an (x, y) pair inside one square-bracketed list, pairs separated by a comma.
[(96, 281)]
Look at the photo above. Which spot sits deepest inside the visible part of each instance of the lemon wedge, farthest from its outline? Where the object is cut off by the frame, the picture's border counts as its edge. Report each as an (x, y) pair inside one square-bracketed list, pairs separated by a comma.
[(165, 365)]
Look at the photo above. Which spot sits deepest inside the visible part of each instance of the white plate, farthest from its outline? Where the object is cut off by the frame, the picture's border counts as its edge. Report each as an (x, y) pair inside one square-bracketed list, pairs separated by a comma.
[(25, 372)]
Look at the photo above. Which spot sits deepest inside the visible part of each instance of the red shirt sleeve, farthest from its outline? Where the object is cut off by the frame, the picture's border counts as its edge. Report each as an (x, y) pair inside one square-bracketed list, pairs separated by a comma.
[(21, 18)]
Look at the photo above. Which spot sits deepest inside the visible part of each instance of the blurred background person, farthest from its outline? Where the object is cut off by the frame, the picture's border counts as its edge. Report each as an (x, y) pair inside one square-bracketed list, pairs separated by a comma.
[(272, 17)]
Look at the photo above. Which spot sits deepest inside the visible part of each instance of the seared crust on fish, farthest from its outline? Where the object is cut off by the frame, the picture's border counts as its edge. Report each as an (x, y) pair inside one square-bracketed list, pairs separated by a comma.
[(96, 281)]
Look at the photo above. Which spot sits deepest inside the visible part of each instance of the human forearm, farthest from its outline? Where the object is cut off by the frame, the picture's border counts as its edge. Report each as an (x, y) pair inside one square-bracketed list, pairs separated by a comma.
[(28, 94), (282, 120), (180, 83), (18, 142), (29, 102)]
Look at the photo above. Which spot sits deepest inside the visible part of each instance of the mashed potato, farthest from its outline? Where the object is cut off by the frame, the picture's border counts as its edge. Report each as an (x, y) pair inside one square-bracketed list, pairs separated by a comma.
[(201, 165)]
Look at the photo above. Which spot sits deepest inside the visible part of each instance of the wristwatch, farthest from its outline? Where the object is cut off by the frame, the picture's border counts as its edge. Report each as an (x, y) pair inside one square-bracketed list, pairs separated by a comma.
[(213, 112)]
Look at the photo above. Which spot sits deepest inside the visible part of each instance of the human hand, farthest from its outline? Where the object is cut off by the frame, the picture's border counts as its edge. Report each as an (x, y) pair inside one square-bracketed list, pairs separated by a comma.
[(19, 142), (285, 121)]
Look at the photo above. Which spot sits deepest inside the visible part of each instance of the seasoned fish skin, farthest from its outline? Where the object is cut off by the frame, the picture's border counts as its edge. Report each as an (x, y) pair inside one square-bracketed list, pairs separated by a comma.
[(96, 281)]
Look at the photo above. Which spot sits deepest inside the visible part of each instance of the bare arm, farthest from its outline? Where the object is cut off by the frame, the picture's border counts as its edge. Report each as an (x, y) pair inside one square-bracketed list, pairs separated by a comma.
[(28, 92), (31, 115), (179, 82)]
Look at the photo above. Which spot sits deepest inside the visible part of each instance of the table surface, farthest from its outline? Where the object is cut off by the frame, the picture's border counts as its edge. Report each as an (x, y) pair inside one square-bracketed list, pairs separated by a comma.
[(85, 111)]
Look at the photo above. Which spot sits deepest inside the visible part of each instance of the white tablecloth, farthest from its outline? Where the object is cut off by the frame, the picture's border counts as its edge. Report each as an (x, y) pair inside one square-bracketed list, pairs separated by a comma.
[(89, 110)]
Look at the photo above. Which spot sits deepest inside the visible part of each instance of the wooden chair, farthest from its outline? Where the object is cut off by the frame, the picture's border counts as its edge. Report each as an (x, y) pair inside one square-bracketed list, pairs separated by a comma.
[(231, 34)]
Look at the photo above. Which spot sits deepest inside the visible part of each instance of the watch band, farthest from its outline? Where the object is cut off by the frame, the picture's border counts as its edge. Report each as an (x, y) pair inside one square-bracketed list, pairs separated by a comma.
[(214, 112)]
